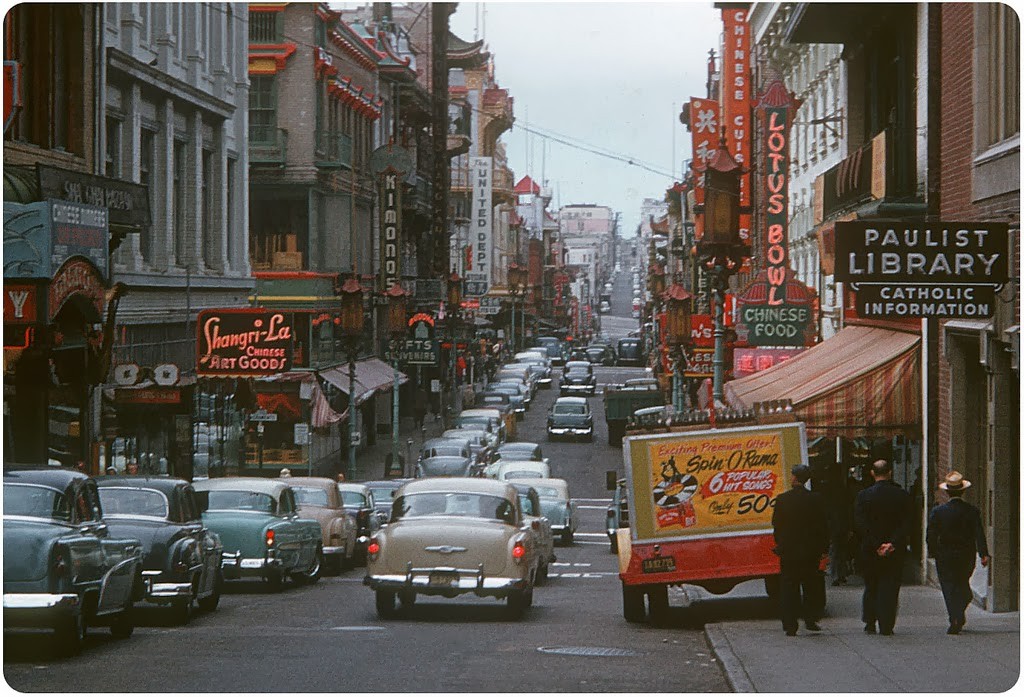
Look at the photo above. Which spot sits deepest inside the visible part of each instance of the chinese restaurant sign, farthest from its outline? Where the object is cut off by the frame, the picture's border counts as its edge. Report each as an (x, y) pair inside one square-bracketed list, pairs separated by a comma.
[(747, 361), (243, 343), (700, 363), (736, 98)]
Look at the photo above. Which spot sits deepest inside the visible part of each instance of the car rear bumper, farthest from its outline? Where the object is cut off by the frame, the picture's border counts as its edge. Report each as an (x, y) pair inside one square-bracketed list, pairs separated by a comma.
[(331, 551), (575, 431), (423, 580), (568, 389), (235, 566), (39, 609)]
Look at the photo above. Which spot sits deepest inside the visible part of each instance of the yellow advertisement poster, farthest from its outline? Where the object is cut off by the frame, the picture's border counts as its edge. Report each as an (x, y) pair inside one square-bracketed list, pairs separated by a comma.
[(717, 481)]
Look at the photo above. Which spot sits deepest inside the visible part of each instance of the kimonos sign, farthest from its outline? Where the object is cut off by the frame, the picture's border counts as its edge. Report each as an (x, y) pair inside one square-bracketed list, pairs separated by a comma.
[(243, 343), (390, 229), (478, 281)]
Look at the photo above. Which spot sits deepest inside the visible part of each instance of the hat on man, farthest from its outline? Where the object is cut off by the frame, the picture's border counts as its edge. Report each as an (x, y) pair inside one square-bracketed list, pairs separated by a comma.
[(954, 482), (802, 473), (285, 472)]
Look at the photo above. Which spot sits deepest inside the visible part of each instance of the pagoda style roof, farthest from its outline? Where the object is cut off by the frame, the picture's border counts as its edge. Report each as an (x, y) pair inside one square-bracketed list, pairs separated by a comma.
[(466, 54), (660, 226), (526, 185)]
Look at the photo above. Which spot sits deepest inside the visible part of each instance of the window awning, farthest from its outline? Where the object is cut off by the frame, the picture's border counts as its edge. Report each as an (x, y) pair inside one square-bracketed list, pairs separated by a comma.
[(864, 381), (372, 375)]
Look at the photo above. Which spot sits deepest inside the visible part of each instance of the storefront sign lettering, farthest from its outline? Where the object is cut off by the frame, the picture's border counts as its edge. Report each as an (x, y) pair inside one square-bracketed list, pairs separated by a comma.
[(704, 124), (127, 202), (78, 229), (19, 303), (241, 342), (747, 361), (390, 226), (76, 277), (941, 301), (481, 235), (736, 100)]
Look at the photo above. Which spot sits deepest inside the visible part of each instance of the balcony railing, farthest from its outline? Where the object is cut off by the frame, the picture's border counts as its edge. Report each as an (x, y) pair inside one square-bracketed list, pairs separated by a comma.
[(333, 149), (268, 145)]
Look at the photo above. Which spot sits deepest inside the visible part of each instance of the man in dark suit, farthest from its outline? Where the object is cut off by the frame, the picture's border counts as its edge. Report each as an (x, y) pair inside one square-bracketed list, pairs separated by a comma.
[(801, 541), (881, 516), (955, 536)]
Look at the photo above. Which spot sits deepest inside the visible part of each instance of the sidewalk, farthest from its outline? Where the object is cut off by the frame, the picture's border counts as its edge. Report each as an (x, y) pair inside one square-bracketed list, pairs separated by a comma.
[(920, 657)]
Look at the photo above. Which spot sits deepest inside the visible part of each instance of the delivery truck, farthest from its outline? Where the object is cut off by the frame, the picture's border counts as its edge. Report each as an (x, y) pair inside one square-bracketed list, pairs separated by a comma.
[(700, 508)]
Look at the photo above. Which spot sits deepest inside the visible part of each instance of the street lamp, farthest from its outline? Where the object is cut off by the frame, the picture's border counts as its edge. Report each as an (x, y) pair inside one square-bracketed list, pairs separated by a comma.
[(720, 248), (351, 326), (454, 304), (396, 297), (677, 335)]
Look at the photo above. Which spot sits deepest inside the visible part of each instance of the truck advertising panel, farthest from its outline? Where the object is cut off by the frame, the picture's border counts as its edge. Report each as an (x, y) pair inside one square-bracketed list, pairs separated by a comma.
[(717, 482)]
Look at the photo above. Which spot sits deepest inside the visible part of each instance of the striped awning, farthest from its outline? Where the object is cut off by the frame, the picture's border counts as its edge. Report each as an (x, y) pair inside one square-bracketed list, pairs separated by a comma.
[(864, 381)]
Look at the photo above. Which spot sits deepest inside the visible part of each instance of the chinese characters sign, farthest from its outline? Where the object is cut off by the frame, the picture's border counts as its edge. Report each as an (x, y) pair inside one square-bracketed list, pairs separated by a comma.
[(704, 124), (478, 281), (243, 343), (747, 361), (736, 98)]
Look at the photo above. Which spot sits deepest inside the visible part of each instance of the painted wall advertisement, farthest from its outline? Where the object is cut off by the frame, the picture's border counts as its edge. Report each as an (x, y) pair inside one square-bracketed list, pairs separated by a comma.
[(243, 343), (717, 481), (481, 233)]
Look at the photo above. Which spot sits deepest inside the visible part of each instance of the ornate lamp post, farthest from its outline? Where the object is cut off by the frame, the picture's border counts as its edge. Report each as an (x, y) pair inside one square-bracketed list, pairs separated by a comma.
[(656, 284), (396, 296), (352, 320), (720, 248), (454, 303), (677, 335)]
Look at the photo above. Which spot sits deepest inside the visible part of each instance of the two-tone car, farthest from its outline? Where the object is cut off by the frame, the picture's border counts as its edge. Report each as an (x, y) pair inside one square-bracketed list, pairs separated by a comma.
[(522, 469), (557, 506), (571, 416), (534, 515), (181, 556), (481, 443), (384, 491), (519, 450), (445, 466), (259, 525), (577, 378), (63, 570), (318, 498), (452, 536), (359, 502)]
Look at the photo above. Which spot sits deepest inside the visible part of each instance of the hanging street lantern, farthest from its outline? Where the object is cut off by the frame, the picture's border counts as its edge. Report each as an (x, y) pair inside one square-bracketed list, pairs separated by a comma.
[(396, 297), (352, 317), (721, 199), (677, 315), (454, 292)]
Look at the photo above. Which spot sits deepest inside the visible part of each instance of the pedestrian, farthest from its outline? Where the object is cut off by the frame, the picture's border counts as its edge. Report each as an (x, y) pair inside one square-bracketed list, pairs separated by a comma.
[(420, 402), (285, 472), (955, 536), (341, 477), (801, 541), (881, 517), (132, 468)]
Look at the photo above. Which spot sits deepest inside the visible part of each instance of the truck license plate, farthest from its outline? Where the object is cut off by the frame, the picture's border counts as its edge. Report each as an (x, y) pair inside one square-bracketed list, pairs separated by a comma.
[(443, 578), (657, 565)]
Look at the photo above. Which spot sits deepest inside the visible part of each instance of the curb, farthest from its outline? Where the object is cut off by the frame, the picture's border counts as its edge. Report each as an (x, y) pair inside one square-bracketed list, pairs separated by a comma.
[(735, 674)]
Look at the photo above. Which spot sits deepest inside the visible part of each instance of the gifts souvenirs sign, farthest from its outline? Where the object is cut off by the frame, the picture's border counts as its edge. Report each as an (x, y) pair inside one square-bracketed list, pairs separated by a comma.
[(243, 343)]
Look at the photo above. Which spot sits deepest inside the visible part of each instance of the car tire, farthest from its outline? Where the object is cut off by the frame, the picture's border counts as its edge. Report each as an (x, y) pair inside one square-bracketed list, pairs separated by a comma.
[(123, 625), (69, 635), (312, 574), (516, 604), (407, 598), (633, 609), (210, 602), (613, 544), (542, 574), (657, 604), (772, 587), (385, 604), (275, 581), (181, 611), (567, 537)]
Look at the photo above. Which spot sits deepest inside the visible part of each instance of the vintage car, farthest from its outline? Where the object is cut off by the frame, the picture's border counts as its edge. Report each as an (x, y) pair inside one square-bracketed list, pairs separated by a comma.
[(522, 372), (508, 397), (452, 536), (520, 450), (601, 354), (487, 419), (557, 506), (180, 556), (577, 379), (553, 346), (434, 447), (359, 502), (260, 528), (480, 442), (384, 491), (532, 513), (618, 512), (63, 570), (445, 466), (571, 416), (537, 357), (522, 469), (501, 414), (519, 382), (318, 498)]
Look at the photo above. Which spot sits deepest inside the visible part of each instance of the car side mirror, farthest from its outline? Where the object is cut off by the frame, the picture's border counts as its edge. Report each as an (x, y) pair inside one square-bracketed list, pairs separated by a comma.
[(611, 479)]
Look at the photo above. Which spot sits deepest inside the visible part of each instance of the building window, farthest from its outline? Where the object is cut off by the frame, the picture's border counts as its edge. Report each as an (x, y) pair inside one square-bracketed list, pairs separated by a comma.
[(265, 27), (1003, 58), (210, 230), (179, 213), (262, 108), (229, 231), (147, 144), (112, 161)]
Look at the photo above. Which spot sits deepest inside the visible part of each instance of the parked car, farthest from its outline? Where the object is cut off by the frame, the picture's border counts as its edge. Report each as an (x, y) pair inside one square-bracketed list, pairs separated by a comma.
[(554, 348), (180, 556), (518, 385), (485, 418), (521, 372), (571, 416), (446, 466), (358, 500), (434, 447), (630, 352), (480, 442), (521, 450), (601, 354), (453, 536), (532, 514), (63, 570), (577, 380), (259, 525), (537, 357), (383, 491), (618, 514), (502, 415), (318, 498), (514, 401), (539, 373), (557, 506), (522, 469)]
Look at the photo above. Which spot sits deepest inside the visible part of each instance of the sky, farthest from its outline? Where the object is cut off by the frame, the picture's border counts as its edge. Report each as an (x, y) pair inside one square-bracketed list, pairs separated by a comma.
[(609, 76)]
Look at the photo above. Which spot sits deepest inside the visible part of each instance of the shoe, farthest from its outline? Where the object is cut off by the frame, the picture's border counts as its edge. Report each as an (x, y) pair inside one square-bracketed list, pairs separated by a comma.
[(885, 632), (812, 626), (791, 632), (869, 628), (953, 629)]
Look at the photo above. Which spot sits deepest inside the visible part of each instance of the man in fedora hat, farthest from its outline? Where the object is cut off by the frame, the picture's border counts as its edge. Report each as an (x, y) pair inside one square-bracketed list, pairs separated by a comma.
[(801, 541), (955, 536)]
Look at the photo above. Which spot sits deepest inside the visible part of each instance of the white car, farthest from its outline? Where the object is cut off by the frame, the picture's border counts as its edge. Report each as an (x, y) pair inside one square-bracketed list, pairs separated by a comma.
[(522, 469)]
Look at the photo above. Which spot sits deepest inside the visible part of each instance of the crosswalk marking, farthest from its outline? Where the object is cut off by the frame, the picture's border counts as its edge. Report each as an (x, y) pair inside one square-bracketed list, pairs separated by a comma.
[(565, 563)]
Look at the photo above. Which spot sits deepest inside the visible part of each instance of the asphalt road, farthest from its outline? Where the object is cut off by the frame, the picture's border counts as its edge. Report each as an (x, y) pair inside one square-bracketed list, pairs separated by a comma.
[(327, 638)]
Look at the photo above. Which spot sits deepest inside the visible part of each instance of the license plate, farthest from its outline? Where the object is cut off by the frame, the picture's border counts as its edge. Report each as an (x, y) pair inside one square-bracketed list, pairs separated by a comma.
[(252, 563), (443, 578), (658, 565)]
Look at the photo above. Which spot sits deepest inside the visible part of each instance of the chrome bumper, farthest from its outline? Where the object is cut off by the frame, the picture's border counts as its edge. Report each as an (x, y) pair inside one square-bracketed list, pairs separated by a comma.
[(156, 592), (578, 388), (573, 431), (233, 565), (463, 581), (40, 601), (328, 551)]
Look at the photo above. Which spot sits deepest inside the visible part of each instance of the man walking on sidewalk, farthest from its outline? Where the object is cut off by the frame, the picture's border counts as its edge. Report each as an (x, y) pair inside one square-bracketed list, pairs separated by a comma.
[(801, 541), (881, 517), (955, 536)]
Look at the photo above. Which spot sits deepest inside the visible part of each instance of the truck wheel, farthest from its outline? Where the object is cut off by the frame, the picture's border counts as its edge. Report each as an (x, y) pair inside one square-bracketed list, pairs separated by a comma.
[(181, 611), (407, 598), (657, 604), (633, 603), (210, 602), (68, 636), (771, 586)]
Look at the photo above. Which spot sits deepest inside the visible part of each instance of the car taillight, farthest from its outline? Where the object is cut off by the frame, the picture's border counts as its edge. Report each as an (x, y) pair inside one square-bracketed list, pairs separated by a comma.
[(373, 548), (59, 565), (270, 538), (518, 552)]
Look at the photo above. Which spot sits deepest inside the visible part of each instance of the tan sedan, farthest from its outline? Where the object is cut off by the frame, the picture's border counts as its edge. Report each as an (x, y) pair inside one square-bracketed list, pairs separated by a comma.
[(318, 498), (451, 536)]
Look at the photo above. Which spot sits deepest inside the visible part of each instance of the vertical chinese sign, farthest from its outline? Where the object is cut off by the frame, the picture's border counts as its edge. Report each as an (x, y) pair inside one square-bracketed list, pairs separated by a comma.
[(736, 100), (390, 229), (478, 281), (704, 122)]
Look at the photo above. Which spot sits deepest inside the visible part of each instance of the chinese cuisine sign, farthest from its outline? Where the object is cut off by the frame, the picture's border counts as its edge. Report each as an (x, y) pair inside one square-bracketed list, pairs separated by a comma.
[(243, 343), (710, 482)]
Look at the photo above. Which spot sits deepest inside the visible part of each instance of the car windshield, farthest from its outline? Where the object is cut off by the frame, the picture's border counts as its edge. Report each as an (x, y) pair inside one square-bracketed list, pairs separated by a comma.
[(232, 500), (577, 409), (310, 495), (527, 505), (35, 501), (442, 450), (547, 492), (132, 502), (577, 374), (472, 423), (464, 505), (383, 496), (512, 449), (521, 474), (595, 352), (354, 498)]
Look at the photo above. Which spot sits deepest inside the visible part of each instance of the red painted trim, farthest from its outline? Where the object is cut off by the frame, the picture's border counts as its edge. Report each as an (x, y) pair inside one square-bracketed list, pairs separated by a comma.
[(278, 7), (279, 52), (277, 275)]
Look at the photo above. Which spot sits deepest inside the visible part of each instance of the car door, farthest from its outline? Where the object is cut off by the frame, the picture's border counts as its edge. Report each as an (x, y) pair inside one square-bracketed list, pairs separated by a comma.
[(207, 546), (121, 557), (291, 535)]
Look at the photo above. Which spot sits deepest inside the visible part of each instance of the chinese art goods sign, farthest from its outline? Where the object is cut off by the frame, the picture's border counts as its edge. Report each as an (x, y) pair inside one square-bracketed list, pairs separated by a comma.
[(704, 122), (390, 229), (711, 482), (243, 343), (736, 98), (478, 281)]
